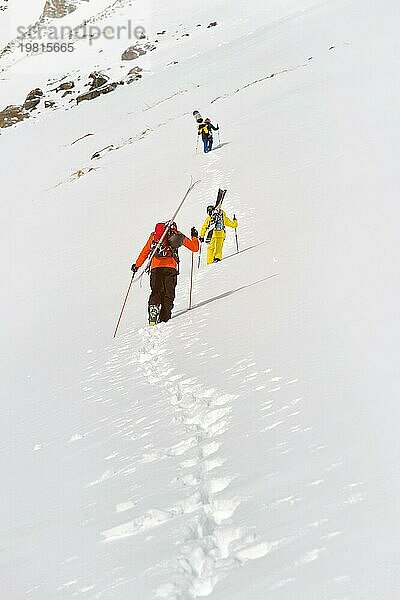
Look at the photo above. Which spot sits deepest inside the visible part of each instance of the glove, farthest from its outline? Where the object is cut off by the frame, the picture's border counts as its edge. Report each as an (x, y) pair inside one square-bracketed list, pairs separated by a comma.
[(201, 239), (134, 268), (217, 127), (194, 232)]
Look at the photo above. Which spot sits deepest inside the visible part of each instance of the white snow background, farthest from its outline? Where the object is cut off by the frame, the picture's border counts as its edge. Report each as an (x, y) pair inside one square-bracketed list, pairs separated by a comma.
[(248, 449)]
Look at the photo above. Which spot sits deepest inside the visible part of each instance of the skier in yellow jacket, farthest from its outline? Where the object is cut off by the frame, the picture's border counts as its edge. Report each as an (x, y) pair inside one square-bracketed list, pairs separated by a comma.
[(215, 223)]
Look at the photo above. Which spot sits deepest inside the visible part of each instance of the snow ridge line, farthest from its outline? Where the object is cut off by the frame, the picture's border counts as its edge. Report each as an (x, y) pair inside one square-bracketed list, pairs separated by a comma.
[(265, 77), (213, 546)]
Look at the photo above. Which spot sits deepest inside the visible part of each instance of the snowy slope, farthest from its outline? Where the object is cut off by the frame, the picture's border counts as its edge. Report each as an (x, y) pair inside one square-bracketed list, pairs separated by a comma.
[(248, 449)]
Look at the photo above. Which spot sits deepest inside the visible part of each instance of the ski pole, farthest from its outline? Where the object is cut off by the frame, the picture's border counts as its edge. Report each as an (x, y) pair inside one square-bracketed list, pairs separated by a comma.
[(191, 283), (197, 143), (198, 264), (219, 139), (236, 237), (123, 306)]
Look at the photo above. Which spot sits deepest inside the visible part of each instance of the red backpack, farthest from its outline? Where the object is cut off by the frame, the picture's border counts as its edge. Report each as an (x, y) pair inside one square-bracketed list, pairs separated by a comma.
[(172, 240)]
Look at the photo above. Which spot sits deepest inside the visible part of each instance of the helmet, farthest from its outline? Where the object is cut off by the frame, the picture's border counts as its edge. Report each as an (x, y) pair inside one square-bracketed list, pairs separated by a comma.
[(207, 120), (210, 209)]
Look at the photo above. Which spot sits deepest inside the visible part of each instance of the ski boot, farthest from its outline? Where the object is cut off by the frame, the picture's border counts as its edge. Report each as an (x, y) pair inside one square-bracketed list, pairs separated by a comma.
[(217, 260), (154, 313)]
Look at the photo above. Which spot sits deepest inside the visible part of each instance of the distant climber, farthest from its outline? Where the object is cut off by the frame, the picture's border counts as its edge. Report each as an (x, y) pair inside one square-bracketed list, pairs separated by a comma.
[(215, 224), (205, 129), (164, 268)]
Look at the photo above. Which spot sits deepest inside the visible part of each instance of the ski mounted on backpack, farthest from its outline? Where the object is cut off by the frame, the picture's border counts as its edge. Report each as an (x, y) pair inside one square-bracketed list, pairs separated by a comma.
[(197, 116), (199, 120), (220, 198), (164, 234), (172, 241)]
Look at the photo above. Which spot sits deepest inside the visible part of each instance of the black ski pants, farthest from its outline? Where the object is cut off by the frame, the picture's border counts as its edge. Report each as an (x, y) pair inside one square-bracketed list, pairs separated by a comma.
[(163, 283)]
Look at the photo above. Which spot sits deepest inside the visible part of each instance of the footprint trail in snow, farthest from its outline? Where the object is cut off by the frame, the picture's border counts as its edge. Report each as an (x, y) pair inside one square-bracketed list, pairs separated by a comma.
[(213, 544)]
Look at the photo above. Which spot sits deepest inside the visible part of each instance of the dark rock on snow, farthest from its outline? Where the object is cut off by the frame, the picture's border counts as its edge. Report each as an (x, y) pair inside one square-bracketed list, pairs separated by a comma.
[(134, 74), (68, 85), (133, 52), (97, 92), (57, 9), (97, 80), (32, 99), (11, 115)]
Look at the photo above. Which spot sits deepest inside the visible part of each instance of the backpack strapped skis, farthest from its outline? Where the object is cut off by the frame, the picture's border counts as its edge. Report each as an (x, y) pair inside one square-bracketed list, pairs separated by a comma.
[(160, 241), (170, 244), (197, 116), (216, 216)]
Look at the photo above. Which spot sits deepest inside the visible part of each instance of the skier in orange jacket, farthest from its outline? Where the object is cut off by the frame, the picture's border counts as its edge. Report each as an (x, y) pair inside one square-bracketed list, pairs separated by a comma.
[(164, 268)]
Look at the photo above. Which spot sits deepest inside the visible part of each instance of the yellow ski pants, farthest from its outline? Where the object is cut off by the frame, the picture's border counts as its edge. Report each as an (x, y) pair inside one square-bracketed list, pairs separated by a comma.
[(215, 248)]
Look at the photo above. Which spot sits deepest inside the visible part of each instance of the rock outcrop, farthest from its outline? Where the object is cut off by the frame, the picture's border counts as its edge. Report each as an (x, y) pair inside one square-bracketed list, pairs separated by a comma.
[(67, 85), (94, 93), (57, 9), (11, 115), (133, 52), (134, 75), (97, 80), (32, 99)]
